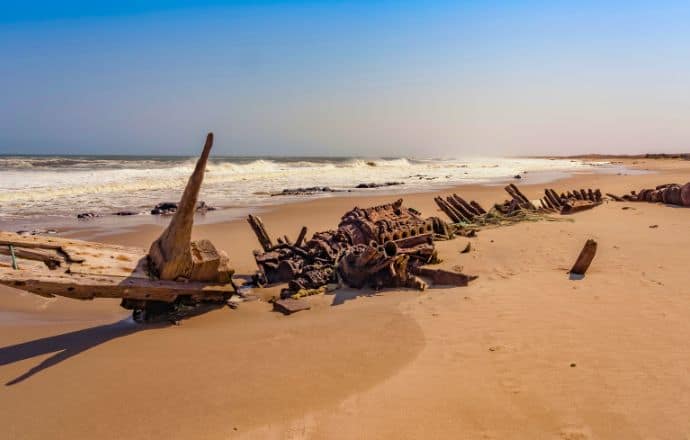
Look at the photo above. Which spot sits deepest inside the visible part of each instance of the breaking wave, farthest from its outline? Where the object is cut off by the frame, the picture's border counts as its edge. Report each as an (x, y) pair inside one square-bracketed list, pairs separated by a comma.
[(66, 185)]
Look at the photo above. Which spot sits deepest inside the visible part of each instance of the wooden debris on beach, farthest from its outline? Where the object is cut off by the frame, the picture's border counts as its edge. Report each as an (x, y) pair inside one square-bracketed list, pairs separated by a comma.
[(518, 208), (379, 247), (176, 271), (445, 277), (670, 194), (585, 258), (288, 306), (458, 209)]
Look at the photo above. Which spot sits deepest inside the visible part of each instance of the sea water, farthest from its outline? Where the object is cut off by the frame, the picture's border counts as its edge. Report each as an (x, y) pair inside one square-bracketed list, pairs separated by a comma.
[(63, 186)]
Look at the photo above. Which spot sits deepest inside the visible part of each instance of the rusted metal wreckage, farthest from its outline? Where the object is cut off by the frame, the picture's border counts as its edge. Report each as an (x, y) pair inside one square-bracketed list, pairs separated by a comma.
[(381, 246), (462, 212), (174, 274), (670, 194)]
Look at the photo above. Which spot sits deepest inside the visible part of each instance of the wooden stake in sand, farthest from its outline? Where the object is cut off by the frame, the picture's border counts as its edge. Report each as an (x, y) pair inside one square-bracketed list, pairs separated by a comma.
[(585, 258)]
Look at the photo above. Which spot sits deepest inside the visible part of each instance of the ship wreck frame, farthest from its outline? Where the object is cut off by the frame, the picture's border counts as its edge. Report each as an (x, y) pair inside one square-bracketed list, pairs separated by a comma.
[(174, 274)]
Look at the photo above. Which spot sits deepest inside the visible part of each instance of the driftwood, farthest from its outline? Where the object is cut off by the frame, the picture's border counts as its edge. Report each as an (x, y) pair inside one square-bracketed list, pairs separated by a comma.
[(173, 255), (176, 271), (585, 258), (289, 306), (573, 206), (260, 231), (445, 277)]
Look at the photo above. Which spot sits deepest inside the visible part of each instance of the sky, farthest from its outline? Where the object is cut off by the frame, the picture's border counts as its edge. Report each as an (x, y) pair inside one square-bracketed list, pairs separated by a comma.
[(338, 78)]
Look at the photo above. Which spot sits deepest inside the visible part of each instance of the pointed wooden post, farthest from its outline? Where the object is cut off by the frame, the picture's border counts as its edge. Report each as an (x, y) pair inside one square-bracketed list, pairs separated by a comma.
[(300, 237), (171, 253)]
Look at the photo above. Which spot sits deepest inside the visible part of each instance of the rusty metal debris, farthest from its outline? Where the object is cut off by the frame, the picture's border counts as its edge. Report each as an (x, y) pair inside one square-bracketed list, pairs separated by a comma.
[(381, 246), (669, 193), (463, 213), (176, 274)]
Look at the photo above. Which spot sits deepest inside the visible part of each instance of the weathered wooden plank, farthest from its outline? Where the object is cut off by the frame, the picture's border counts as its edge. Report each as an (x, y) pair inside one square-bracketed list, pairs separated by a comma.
[(260, 231), (478, 207), (289, 306), (450, 211), (39, 241), (577, 206), (455, 202), (524, 198), (585, 258), (468, 206), (445, 277), (301, 236), (79, 286), (49, 257), (552, 197)]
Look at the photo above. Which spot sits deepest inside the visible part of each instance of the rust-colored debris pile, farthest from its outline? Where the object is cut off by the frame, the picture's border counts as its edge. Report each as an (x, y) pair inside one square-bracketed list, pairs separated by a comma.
[(670, 193), (381, 246)]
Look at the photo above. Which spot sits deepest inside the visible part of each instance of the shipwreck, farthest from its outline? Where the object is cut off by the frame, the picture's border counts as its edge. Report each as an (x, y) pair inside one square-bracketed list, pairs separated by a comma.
[(176, 273), (378, 247)]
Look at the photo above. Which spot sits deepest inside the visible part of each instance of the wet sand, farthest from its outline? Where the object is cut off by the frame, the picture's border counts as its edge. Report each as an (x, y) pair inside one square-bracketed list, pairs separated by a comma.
[(523, 352)]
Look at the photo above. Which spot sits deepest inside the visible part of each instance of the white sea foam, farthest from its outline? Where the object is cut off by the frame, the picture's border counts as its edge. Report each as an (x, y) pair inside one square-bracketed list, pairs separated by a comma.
[(33, 186)]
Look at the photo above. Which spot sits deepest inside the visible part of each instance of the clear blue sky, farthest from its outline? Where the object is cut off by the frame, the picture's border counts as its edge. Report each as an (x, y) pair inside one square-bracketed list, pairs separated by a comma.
[(378, 78)]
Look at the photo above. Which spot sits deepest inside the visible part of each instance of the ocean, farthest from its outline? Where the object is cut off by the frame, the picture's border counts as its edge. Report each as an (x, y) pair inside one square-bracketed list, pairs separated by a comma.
[(40, 187)]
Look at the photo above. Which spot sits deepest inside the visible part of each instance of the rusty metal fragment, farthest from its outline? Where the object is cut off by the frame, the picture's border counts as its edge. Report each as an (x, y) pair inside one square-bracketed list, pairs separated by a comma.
[(670, 194)]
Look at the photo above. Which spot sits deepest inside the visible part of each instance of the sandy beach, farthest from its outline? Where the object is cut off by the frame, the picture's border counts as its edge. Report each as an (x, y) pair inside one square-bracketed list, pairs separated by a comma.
[(523, 352)]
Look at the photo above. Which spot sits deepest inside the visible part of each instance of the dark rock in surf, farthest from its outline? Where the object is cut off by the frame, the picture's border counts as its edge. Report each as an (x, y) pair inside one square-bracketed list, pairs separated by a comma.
[(305, 191), (378, 185), (169, 208), (87, 215)]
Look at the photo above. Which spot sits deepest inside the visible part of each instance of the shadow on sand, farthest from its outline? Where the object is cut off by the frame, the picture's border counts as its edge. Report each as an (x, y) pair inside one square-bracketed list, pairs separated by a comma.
[(71, 344), (65, 345)]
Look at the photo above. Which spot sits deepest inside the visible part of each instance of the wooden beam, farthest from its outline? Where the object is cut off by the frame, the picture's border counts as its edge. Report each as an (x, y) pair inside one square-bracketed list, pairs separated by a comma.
[(170, 254), (585, 258), (301, 236)]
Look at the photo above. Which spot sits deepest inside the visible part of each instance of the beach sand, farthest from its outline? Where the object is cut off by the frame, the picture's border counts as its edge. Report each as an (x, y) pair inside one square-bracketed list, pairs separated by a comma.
[(523, 352)]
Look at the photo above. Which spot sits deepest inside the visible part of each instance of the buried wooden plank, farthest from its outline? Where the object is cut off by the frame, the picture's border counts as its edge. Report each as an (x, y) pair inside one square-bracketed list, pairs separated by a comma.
[(79, 286), (288, 306), (444, 277), (574, 206), (50, 257), (585, 258)]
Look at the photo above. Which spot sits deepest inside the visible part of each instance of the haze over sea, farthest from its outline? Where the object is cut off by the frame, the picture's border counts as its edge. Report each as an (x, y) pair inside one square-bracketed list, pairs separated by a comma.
[(36, 187)]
